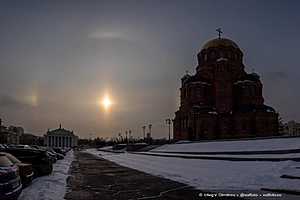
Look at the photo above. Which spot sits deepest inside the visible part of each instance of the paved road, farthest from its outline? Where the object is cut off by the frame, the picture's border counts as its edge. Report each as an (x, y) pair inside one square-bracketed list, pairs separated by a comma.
[(96, 178)]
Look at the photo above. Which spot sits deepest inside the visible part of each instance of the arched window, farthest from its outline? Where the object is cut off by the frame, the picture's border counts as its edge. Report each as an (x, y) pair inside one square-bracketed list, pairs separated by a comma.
[(189, 92), (205, 91), (230, 54), (254, 90), (236, 56), (212, 55), (198, 92), (267, 124), (227, 54), (222, 54), (244, 124)]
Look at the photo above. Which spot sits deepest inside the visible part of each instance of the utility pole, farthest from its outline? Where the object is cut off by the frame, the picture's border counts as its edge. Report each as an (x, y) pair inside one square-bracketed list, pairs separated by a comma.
[(150, 126), (129, 131), (144, 129), (168, 122)]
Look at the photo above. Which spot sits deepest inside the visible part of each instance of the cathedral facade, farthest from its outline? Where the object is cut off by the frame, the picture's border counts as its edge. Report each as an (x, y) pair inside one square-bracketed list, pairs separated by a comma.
[(221, 100)]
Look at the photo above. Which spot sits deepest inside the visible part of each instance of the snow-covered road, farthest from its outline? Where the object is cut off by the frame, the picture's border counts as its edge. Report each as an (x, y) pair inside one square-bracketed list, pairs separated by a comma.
[(51, 187)]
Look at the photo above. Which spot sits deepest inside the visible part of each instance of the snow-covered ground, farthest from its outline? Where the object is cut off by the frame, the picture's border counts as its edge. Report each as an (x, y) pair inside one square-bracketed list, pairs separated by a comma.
[(212, 174), (219, 174), (51, 187), (241, 145), (252, 156)]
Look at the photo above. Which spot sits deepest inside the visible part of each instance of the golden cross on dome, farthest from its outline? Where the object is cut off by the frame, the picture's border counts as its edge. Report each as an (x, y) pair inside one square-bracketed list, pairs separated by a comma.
[(219, 30)]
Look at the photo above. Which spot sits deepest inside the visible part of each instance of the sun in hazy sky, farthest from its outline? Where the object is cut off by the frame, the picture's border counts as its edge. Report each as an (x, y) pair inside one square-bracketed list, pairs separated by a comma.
[(106, 102)]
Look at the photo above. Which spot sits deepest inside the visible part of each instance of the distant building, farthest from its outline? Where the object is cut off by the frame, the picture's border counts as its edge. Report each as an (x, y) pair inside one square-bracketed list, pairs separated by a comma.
[(61, 138), (10, 135), (292, 128), (222, 100), (18, 131), (30, 139)]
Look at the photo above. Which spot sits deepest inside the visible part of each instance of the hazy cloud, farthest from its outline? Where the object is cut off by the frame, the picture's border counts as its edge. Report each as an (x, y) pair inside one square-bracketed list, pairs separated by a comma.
[(57, 60), (276, 75), (12, 102), (108, 35)]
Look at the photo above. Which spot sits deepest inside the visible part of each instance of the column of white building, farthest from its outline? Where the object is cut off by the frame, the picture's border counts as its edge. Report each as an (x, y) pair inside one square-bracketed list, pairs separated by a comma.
[(59, 141)]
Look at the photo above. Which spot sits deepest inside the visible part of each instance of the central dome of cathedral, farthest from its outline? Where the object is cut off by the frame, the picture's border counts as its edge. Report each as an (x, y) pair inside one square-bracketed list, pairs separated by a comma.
[(220, 42)]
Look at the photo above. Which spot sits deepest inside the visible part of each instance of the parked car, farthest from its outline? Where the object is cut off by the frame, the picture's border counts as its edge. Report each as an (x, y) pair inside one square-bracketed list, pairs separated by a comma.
[(35, 147), (52, 156), (25, 169), (50, 153), (60, 156), (57, 155), (19, 146), (59, 150), (3, 146), (40, 160), (10, 183)]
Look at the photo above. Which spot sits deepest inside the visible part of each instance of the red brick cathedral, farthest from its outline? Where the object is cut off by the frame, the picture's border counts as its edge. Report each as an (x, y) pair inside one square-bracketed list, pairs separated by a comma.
[(221, 100)]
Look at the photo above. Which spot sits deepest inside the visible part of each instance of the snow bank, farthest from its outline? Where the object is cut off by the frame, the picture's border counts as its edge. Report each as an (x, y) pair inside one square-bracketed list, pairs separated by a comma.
[(240, 145), (253, 156), (51, 187)]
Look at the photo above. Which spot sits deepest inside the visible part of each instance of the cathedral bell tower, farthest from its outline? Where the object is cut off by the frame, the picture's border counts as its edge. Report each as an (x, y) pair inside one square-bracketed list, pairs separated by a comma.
[(223, 86)]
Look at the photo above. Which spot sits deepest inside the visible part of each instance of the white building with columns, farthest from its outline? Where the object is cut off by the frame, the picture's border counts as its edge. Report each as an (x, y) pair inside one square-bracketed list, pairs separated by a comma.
[(60, 138)]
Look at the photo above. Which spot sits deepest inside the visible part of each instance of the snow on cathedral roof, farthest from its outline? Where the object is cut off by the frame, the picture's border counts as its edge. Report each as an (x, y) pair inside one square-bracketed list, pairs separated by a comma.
[(220, 42)]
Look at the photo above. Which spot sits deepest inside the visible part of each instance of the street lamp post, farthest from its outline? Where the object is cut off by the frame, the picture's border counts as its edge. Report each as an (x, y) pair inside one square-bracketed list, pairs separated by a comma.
[(126, 133), (168, 122)]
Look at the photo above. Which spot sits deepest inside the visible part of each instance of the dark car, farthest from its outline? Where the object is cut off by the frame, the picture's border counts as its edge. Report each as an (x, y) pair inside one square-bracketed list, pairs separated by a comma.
[(10, 183), (59, 150), (35, 147), (57, 155), (25, 169), (41, 162), (60, 156), (52, 156)]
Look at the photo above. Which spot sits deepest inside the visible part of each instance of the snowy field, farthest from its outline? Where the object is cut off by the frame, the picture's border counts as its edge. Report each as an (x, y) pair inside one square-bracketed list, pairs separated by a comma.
[(51, 187), (242, 145), (219, 174)]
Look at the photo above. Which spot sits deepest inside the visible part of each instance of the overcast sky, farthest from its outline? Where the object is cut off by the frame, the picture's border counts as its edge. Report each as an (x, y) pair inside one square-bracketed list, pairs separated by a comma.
[(58, 59)]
